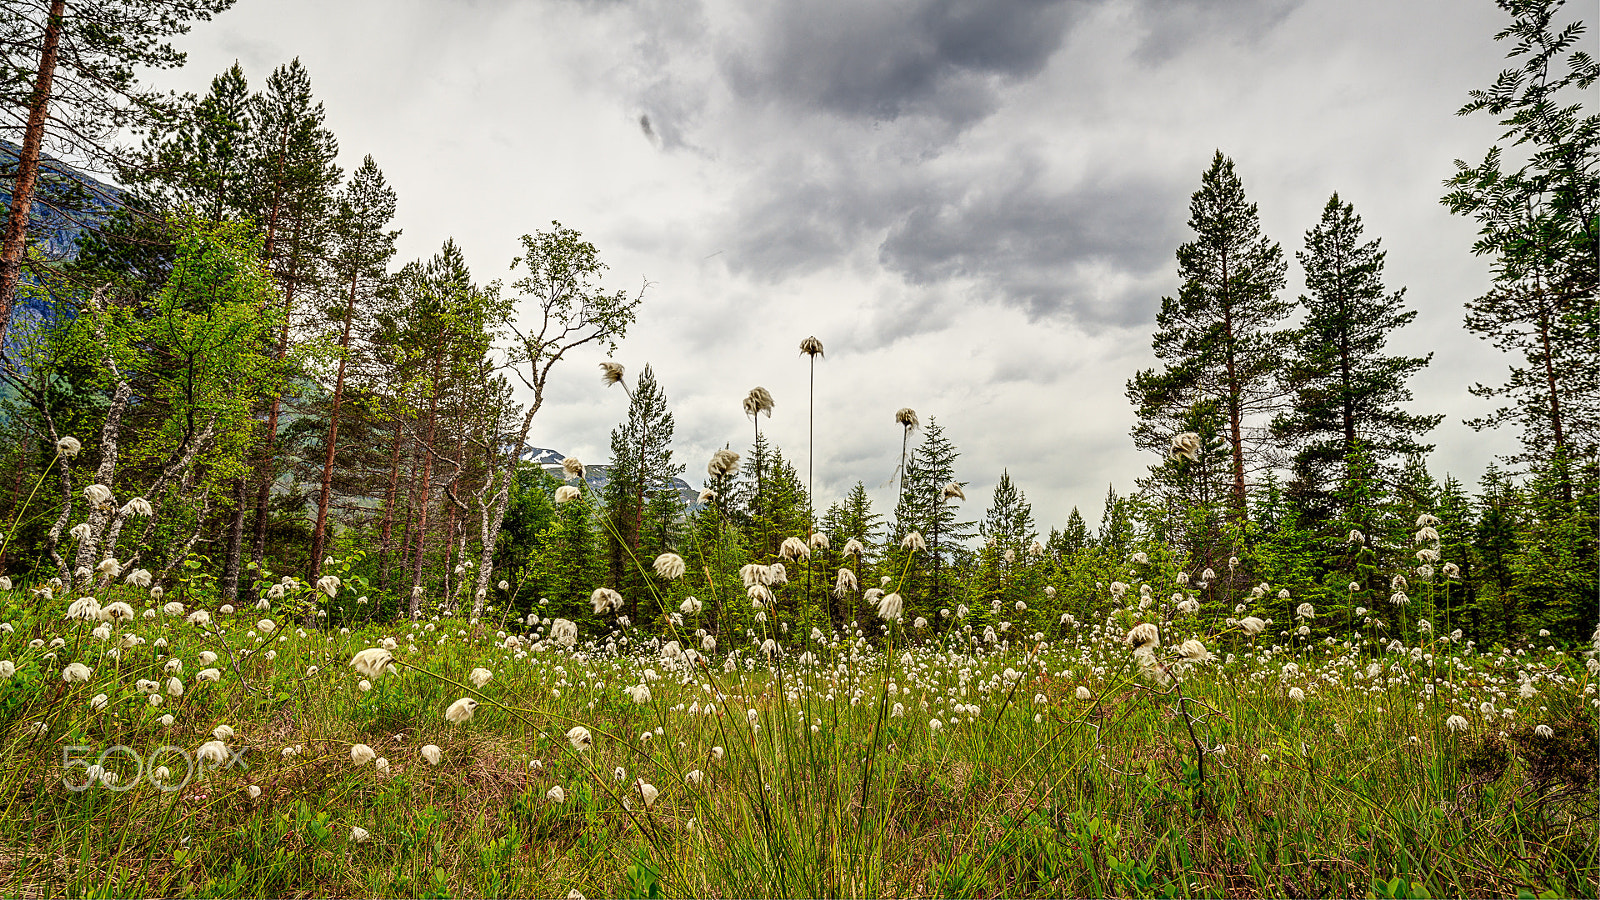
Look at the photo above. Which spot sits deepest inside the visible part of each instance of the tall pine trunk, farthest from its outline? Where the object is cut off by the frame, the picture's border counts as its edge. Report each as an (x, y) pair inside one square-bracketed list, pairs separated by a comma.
[(390, 494), (319, 534), (423, 489), (1235, 414), (22, 190)]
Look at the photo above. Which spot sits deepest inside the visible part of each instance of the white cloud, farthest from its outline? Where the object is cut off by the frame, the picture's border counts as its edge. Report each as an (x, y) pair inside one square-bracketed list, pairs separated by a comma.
[(978, 223)]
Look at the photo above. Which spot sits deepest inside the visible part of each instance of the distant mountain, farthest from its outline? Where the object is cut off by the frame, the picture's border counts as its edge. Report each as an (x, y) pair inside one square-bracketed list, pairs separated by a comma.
[(597, 475), (65, 201)]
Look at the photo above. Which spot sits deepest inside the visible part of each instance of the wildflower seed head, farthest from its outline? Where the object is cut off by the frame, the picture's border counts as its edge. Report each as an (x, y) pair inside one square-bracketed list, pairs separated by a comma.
[(723, 462), (564, 633), (670, 566), (1186, 446), (1142, 635), (603, 599), (758, 401), (572, 467), (580, 738), (794, 549), (461, 710)]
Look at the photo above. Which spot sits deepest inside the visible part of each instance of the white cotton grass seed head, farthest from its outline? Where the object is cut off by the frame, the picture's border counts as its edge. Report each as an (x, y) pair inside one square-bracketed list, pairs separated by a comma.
[(361, 754), (611, 373), (1142, 635), (372, 662), (461, 710), (670, 566), (1194, 651), (580, 738), (648, 792), (480, 677), (432, 754), (571, 467), (758, 401), (1186, 446), (723, 462)]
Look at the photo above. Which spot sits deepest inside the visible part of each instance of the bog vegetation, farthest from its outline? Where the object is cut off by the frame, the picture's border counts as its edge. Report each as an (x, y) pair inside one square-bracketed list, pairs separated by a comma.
[(287, 606)]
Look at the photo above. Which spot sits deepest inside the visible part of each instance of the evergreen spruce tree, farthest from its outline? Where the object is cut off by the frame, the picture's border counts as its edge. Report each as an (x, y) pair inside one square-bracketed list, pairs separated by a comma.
[(1457, 593), (641, 468), (1344, 390), (1009, 519), (1004, 571), (1553, 570), (923, 508), (1184, 499), (1072, 539), (1219, 337), (1494, 550), (1115, 536), (852, 519)]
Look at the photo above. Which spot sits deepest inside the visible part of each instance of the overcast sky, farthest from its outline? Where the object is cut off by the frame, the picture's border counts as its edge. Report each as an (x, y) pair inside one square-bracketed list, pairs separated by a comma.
[(974, 205)]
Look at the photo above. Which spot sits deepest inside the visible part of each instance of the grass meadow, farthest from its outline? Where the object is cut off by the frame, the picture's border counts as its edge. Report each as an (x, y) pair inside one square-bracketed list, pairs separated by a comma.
[(157, 748)]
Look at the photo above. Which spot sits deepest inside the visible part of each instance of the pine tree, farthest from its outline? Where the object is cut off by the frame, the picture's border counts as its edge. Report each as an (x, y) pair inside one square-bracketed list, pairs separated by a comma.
[(1344, 390), (362, 250), (289, 192), (202, 159), (73, 72), (852, 519), (923, 508), (449, 324), (1116, 527), (641, 467), (1218, 337), (1072, 539), (1540, 223)]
